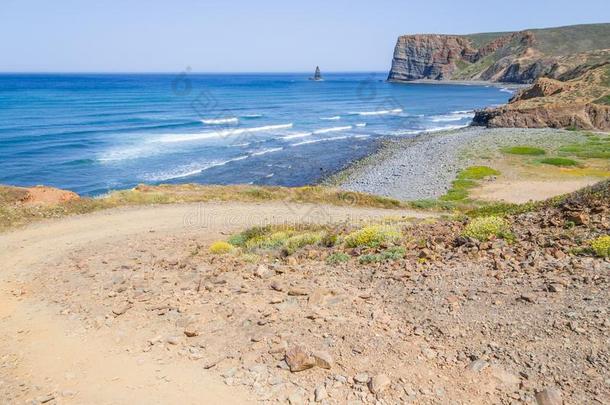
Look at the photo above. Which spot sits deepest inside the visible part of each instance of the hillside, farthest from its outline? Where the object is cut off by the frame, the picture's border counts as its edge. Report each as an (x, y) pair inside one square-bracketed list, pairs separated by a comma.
[(571, 62)]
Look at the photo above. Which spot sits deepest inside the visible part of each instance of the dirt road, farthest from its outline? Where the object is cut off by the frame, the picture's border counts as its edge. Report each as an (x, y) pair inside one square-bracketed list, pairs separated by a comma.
[(52, 357)]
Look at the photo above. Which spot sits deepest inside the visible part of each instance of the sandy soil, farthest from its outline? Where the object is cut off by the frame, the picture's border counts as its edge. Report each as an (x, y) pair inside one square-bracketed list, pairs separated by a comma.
[(51, 355), (522, 191)]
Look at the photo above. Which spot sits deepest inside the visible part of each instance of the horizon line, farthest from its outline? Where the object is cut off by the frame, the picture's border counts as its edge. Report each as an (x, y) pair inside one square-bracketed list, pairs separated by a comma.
[(188, 72)]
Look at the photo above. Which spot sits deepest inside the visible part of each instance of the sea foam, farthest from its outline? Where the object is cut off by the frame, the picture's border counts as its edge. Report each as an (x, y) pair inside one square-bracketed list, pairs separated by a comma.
[(219, 134)]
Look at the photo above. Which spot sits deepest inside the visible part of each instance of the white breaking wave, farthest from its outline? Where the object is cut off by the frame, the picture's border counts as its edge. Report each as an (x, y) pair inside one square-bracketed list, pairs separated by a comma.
[(361, 125), (452, 117), (298, 135), (335, 118), (506, 90), (219, 134), (462, 112), (333, 129), (190, 170), (218, 121), (336, 138), (265, 151), (426, 130), (380, 112), (252, 116)]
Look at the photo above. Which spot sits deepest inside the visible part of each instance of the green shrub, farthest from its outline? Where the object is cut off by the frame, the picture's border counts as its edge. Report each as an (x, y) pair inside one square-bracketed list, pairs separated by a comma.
[(338, 257), (221, 248), (329, 239), (391, 254), (293, 243), (601, 246), (559, 161), (524, 150), (372, 236), (483, 228)]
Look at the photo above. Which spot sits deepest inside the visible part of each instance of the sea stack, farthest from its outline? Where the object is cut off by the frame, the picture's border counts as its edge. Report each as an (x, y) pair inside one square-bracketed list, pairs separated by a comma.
[(317, 75)]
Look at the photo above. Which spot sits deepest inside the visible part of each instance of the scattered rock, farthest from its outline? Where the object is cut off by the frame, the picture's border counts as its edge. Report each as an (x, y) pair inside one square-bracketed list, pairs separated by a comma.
[(263, 271), (379, 383), (361, 378), (298, 359), (320, 393), (191, 331), (549, 396), (323, 359)]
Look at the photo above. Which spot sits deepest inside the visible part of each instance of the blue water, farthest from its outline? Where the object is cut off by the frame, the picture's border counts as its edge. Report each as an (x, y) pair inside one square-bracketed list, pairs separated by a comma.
[(94, 133)]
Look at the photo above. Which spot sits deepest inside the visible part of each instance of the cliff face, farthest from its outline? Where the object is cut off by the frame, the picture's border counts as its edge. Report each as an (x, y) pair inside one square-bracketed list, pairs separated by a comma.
[(567, 65), (446, 57)]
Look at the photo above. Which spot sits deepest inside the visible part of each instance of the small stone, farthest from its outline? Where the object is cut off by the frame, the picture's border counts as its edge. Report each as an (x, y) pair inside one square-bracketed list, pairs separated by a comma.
[(263, 271), (191, 331), (295, 398), (320, 393), (478, 365), (323, 359), (361, 378), (298, 359), (549, 396), (121, 309), (379, 383), (295, 291), (172, 340)]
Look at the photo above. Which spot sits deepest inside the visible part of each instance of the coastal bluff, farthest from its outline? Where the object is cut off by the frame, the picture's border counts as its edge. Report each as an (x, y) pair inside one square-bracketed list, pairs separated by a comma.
[(569, 68)]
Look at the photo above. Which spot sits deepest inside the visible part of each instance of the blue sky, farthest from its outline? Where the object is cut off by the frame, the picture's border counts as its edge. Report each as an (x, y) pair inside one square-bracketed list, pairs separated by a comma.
[(249, 36)]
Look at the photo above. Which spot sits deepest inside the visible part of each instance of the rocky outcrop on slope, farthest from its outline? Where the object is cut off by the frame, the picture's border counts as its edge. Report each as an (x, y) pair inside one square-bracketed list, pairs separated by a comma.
[(577, 103)]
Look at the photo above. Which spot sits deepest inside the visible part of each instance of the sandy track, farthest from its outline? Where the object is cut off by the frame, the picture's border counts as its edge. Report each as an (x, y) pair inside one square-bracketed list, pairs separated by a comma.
[(45, 354)]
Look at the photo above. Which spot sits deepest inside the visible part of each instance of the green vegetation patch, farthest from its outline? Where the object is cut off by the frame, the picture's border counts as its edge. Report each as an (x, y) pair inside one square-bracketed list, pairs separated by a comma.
[(467, 179), (559, 161), (391, 254), (337, 257), (595, 147), (372, 236), (601, 246), (524, 150), (484, 228), (221, 248)]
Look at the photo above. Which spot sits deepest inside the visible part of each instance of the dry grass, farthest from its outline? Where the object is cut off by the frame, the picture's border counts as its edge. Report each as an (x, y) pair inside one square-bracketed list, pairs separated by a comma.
[(14, 214)]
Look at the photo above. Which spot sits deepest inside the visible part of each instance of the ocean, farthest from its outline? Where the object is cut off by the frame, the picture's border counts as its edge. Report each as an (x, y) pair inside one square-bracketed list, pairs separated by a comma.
[(92, 133)]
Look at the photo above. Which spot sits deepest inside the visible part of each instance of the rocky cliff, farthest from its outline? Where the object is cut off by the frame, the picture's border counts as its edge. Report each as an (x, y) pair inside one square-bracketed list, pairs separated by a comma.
[(568, 66)]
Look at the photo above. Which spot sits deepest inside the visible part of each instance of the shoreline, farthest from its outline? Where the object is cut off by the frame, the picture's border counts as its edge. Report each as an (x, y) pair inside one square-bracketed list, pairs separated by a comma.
[(423, 167), (510, 86)]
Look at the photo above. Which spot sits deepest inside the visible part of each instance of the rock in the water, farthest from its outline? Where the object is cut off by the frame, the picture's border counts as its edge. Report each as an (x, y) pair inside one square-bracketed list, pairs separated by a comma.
[(549, 396), (379, 383), (298, 359)]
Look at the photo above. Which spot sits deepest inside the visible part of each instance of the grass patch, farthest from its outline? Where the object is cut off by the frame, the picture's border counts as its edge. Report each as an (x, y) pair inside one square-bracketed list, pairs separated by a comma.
[(559, 161), (484, 228), (593, 148), (391, 254), (524, 150), (338, 257), (465, 180), (477, 173)]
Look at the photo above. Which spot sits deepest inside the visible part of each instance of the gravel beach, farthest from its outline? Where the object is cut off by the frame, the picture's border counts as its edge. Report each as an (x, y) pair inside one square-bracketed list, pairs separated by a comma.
[(424, 166)]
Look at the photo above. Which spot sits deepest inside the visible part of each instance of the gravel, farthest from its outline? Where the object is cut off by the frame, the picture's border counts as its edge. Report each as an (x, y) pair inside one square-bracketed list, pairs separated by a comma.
[(424, 166)]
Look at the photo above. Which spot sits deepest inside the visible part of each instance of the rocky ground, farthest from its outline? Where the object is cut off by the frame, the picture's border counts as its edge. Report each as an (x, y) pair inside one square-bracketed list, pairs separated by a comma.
[(423, 167), (457, 321)]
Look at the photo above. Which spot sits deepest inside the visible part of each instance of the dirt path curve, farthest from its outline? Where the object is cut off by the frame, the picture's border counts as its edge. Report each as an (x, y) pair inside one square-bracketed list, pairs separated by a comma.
[(47, 355)]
